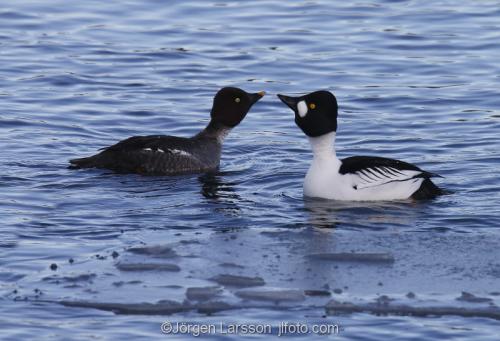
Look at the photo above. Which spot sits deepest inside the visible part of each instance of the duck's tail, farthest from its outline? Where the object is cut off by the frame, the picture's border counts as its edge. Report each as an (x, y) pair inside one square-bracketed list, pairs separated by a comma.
[(84, 162), (427, 190)]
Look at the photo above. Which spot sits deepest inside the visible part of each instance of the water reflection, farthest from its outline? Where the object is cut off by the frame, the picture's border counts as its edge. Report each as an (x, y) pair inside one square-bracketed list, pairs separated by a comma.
[(221, 193), (320, 213), (324, 213), (214, 187)]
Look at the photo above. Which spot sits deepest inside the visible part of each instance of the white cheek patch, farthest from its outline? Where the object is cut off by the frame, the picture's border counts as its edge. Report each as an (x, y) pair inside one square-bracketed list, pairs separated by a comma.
[(302, 108)]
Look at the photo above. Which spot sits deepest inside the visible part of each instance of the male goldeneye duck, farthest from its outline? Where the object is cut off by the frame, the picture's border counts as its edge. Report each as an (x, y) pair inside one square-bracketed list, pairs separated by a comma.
[(354, 178), (169, 155)]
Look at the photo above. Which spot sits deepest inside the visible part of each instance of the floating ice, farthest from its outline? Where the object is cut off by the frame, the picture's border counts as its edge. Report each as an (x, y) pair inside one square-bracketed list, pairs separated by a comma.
[(468, 297), (203, 293), (238, 281), (354, 257), (272, 295), (147, 267), (164, 307), (160, 251), (335, 307)]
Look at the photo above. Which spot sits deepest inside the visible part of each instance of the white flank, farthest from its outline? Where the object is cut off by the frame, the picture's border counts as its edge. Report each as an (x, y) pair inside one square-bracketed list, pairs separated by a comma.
[(302, 108), (323, 179)]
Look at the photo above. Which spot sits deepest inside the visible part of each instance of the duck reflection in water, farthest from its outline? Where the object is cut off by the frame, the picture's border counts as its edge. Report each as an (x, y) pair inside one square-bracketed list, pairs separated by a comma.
[(216, 190), (321, 213)]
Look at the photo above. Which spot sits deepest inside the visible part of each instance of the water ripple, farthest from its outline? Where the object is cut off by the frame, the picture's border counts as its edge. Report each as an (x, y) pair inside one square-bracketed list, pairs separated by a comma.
[(414, 81)]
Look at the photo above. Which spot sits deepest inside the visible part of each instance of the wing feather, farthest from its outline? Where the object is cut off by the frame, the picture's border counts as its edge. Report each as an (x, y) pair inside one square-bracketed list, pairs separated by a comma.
[(153, 154), (369, 171), (361, 181)]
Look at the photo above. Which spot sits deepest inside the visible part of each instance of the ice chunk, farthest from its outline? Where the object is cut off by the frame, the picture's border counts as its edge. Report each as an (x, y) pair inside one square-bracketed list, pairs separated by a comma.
[(468, 297), (231, 265), (203, 293), (335, 307), (213, 307), (159, 251), (317, 293), (147, 267), (162, 307), (237, 281), (272, 295), (354, 257), (87, 277)]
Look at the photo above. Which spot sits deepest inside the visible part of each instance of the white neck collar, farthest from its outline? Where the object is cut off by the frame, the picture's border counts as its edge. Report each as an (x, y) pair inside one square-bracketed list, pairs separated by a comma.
[(323, 146)]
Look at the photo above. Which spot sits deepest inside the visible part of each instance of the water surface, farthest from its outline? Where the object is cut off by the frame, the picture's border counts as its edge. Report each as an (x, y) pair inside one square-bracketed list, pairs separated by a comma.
[(415, 81)]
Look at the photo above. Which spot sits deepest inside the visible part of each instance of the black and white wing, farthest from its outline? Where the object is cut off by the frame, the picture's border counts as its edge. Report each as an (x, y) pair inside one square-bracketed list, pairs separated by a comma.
[(370, 172)]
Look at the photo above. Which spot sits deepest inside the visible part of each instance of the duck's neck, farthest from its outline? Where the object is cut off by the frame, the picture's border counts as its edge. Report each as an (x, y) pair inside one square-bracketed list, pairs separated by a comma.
[(323, 147), (214, 130)]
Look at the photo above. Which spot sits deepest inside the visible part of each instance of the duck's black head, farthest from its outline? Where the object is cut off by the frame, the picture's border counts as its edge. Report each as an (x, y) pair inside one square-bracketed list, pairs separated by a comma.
[(315, 113), (232, 104)]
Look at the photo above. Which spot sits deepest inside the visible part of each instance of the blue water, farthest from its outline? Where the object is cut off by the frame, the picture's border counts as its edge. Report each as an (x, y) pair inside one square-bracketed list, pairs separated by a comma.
[(415, 80)]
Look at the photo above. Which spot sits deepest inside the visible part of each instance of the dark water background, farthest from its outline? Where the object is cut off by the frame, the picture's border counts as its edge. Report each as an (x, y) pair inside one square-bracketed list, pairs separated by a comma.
[(415, 80)]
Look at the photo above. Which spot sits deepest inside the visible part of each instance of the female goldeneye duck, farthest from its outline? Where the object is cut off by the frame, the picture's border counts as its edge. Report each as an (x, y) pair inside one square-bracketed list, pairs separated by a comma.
[(357, 178), (169, 155)]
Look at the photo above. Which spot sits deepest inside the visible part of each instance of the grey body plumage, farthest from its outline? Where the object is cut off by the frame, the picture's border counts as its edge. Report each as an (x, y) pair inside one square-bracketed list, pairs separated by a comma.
[(170, 155)]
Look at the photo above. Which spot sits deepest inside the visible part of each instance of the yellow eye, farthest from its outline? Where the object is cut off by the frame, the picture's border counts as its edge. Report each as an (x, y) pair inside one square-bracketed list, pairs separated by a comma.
[(312, 106), (237, 100)]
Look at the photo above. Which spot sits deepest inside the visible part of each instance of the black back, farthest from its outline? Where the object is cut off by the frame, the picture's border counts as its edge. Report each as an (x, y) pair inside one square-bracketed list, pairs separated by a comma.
[(355, 164)]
